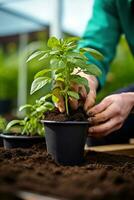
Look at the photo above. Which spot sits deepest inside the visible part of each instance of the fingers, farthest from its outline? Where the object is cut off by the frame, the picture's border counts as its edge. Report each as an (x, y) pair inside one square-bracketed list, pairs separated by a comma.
[(90, 100), (105, 128), (102, 117), (99, 107), (74, 104), (60, 104), (82, 92)]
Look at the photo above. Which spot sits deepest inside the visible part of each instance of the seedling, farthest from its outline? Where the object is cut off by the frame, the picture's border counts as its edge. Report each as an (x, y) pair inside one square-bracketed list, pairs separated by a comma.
[(31, 125), (64, 60)]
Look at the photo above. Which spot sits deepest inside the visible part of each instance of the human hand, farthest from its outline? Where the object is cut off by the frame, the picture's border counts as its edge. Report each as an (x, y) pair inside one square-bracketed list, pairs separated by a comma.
[(88, 99), (110, 114)]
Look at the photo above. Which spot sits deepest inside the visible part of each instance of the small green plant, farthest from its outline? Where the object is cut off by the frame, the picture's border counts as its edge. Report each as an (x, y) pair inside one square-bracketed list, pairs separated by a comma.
[(31, 124), (59, 71), (3, 123)]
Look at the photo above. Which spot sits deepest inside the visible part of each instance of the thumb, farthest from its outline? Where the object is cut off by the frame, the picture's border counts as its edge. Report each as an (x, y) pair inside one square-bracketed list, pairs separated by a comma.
[(90, 100)]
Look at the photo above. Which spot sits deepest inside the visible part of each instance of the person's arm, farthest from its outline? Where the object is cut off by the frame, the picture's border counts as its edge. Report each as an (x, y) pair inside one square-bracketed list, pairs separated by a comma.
[(102, 33)]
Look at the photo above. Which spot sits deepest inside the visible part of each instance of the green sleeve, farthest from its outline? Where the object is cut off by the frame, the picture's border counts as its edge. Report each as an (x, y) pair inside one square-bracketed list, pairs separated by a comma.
[(102, 33)]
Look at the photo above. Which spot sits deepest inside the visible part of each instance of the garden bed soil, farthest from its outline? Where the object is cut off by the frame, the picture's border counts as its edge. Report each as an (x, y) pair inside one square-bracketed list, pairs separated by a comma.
[(102, 176)]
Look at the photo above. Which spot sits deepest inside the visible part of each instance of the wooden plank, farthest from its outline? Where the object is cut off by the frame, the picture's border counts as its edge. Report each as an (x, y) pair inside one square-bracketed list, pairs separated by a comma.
[(125, 149), (113, 147), (33, 196)]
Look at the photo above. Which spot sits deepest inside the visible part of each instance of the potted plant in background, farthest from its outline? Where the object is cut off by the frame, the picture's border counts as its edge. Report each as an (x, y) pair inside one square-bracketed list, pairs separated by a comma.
[(65, 138), (28, 131), (3, 124)]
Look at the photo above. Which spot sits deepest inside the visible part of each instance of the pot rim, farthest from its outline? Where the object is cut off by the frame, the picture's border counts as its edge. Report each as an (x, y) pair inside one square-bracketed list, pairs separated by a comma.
[(64, 122), (19, 136)]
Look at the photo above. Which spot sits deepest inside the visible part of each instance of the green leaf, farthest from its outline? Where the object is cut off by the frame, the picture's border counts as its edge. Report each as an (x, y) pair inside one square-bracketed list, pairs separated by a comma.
[(41, 109), (79, 80), (77, 62), (39, 83), (42, 72), (46, 55), (60, 79), (96, 54), (73, 94), (13, 123), (71, 47), (34, 55), (93, 70), (54, 52), (43, 99), (53, 42), (54, 62), (76, 55), (48, 105), (62, 64), (72, 39), (55, 99), (25, 106)]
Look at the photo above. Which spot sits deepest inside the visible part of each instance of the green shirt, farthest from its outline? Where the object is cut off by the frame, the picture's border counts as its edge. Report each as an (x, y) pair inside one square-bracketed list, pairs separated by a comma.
[(110, 19)]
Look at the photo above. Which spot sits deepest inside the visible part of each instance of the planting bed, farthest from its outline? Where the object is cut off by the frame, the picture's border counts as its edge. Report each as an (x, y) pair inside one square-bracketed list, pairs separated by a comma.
[(102, 177)]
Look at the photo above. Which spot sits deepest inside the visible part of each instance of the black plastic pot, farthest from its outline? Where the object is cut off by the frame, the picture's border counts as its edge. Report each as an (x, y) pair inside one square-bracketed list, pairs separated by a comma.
[(12, 141), (5, 106), (65, 141)]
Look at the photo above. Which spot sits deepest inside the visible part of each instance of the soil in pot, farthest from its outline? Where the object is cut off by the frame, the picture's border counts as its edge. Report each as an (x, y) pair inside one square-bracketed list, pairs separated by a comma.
[(23, 141), (74, 115), (103, 176), (66, 136)]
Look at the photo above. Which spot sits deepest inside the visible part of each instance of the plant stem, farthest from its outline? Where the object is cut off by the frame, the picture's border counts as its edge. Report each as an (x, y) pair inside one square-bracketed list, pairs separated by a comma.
[(66, 104), (66, 87)]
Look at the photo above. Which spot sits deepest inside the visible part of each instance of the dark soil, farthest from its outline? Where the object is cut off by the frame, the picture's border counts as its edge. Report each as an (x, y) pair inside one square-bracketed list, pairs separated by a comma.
[(102, 177), (74, 115)]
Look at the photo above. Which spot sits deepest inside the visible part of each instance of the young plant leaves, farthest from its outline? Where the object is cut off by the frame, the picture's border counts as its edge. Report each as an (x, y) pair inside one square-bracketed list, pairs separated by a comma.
[(38, 83), (53, 42), (35, 55), (79, 80), (73, 94), (92, 69), (25, 106), (61, 60), (42, 72), (13, 123), (96, 54)]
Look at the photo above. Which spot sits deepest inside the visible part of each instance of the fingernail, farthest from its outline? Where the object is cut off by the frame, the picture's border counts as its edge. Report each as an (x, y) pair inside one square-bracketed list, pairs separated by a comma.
[(90, 113), (91, 130), (61, 109), (90, 120)]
